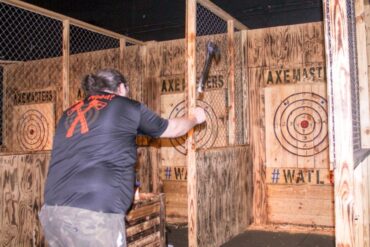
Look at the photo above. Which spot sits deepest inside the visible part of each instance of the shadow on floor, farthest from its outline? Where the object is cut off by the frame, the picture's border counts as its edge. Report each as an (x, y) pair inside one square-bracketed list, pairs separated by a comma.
[(178, 237)]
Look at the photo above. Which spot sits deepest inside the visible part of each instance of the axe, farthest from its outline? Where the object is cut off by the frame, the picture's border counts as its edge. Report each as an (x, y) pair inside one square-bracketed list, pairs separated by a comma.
[(212, 52)]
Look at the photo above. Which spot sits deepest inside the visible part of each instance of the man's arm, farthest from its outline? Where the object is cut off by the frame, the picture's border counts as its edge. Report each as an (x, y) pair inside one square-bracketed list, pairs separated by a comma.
[(180, 126)]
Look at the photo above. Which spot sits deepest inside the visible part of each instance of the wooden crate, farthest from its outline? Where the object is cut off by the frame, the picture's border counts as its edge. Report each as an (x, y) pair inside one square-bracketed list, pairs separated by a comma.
[(145, 224)]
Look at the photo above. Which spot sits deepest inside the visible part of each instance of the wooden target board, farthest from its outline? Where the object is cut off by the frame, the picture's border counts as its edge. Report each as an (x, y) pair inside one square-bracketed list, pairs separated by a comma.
[(33, 127), (210, 134), (296, 126)]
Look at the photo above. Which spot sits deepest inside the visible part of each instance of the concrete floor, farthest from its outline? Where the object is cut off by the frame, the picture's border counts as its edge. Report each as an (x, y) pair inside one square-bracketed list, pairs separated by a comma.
[(178, 237)]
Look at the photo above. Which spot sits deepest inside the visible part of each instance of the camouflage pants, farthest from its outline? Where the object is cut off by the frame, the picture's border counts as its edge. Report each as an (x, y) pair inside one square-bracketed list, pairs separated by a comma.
[(68, 227)]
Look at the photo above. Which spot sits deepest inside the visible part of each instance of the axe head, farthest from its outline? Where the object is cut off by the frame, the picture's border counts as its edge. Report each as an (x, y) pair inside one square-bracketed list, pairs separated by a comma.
[(213, 51)]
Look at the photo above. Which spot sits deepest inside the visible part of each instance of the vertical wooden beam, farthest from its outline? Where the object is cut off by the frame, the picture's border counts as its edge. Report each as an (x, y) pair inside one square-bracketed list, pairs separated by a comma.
[(153, 94), (362, 73), (122, 49), (231, 80), (361, 190), (257, 153), (340, 117), (245, 86), (162, 208), (155, 161), (190, 99), (361, 187), (65, 73)]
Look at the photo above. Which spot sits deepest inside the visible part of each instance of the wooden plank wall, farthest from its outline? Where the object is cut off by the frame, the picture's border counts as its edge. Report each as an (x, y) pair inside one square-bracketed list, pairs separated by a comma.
[(224, 194), (21, 196), (31, 85), (367, 26), (170, 71), (362, 203), (86, 63), (22, 179), (362, 171), (288, 134), (362, 12)]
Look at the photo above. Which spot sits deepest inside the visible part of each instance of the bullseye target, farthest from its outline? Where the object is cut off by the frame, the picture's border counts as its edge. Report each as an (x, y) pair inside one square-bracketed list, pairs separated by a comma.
[(32, 130), (300, 124), (205, 134)]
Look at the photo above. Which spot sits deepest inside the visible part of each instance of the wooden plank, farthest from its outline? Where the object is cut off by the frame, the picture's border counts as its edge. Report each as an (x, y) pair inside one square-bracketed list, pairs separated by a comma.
[(284, 45), (363, 76), (151, 240), (54, 15), (367, 25), (190, 103), (245, 87), (143, 169), (321, 159), (305, 220), (154, 155), (134, 68), (276, 155), (145, 219), (143, 211), (142, 226), (296, 118), (35, 127), (224, 210), (361, 225), (257, 147), (151, 84), (302, 206), (22, 178), (176, 201), (313, 43), (231, 81), (86, 63), (298, 176), (308, 192), (293, 229), (152, 74), (162, 226), (340, 117), (221, 13), (65, 85), (29, 83), (122, 49), (256, 49)]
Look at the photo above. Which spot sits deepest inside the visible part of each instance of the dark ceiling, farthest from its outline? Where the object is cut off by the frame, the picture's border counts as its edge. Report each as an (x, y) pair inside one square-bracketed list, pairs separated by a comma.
[(164, 19)]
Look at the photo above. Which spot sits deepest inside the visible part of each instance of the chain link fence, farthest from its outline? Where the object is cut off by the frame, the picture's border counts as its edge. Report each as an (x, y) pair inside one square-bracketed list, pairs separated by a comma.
[(89, 51), (31, 49), (31, 74), (210, 27)]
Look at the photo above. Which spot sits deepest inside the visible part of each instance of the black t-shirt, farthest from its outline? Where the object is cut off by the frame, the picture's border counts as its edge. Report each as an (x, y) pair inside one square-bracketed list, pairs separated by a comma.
[(94, 153)]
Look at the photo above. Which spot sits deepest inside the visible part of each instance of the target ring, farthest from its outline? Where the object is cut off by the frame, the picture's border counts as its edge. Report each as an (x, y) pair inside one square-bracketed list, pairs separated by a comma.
[(32, 130), (205, 134), (301, 124)]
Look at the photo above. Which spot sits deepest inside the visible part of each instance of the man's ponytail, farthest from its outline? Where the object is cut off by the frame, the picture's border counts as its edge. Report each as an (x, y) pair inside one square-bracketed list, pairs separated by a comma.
[(106, 79)]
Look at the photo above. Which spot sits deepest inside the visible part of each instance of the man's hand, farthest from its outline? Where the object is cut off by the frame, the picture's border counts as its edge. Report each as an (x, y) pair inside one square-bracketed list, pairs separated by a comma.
[(180, 126), (199, 114)]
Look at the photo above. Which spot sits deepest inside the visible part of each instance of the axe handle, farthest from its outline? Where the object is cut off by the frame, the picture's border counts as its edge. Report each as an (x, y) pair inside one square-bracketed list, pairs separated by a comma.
[(204, 75)]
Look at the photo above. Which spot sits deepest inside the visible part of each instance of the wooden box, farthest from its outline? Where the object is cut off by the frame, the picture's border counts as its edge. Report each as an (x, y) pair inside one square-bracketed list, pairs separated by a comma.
[(145, 224)]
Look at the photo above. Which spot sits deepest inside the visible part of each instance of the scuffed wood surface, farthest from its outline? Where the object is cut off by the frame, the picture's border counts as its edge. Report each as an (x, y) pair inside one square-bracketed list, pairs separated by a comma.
[(22, 186), (279, 59), (145, 224), (224, 194)]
